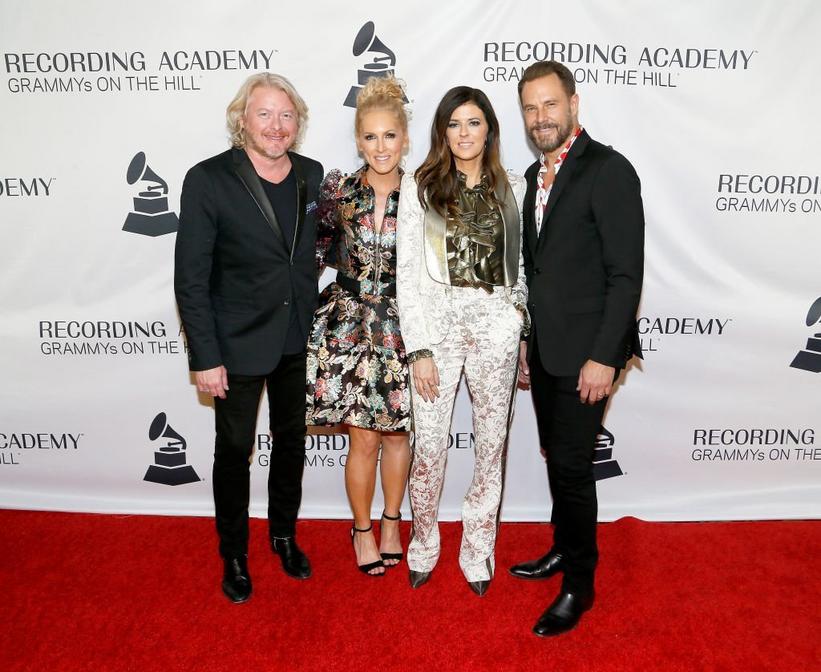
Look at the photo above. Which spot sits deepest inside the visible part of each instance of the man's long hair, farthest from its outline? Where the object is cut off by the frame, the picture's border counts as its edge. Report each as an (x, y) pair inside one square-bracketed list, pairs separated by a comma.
[(236, 108)]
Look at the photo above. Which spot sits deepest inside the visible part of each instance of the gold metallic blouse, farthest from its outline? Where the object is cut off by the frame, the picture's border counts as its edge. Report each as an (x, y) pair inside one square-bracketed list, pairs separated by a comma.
[(476, 238)]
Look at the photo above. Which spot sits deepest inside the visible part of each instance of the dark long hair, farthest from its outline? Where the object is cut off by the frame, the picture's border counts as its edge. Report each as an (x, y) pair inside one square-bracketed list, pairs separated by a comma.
[(436, 178)]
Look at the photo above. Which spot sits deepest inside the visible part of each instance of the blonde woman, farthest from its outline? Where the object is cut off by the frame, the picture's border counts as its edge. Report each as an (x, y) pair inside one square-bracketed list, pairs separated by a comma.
[(357, 369)]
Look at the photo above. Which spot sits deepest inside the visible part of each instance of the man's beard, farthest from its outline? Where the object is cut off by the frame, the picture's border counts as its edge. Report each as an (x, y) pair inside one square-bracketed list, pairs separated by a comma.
[(545, 145), (263, 150)]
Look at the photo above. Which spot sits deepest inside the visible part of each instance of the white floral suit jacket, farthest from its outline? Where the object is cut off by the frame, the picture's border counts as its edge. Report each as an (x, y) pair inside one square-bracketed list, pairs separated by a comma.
[(423, 288)]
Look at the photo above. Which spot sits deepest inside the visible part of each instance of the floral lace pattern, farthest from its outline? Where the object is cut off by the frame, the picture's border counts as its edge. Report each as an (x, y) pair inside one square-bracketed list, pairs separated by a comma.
[(484, 340)]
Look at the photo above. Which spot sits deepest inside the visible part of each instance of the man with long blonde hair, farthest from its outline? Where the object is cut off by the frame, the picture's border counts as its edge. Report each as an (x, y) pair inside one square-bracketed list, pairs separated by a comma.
[(246, 288)]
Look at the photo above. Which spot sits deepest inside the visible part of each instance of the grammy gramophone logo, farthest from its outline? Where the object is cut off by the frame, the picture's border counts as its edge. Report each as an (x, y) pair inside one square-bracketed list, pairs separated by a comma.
[(150, 216), (604, 466), (810, 359), (169, 466), (381, 64)]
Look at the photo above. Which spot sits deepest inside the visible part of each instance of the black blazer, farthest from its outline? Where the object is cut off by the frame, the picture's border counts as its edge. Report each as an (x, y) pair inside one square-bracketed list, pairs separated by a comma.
[(235, 277), (585, 268)]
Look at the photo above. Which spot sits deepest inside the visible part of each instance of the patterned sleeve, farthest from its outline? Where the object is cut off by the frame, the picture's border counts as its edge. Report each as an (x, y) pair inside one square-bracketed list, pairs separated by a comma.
[(410, 223), (327, 227)]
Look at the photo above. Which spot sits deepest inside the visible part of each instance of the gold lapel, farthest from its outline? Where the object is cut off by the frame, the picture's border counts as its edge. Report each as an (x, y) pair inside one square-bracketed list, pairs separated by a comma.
[(435, 247), (435, 244), (513, 237)]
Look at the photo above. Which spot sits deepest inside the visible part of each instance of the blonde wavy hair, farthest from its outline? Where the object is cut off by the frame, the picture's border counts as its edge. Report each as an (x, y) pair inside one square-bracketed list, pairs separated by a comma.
[(382, 93), (236, 108)]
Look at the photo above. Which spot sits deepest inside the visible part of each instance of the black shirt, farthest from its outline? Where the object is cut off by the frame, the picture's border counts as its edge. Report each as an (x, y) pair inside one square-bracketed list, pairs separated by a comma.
[(283, 201)]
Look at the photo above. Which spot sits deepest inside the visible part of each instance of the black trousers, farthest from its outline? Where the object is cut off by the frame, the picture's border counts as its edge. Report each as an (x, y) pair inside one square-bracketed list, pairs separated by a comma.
[(567, 434), (236, 420)]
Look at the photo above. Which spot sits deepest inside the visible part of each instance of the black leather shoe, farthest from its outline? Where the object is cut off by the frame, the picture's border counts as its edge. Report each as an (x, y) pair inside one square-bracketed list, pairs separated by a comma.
[(418, 578), (542, 568), (563, 614), (479, 587), (294, 561), (236, 581)]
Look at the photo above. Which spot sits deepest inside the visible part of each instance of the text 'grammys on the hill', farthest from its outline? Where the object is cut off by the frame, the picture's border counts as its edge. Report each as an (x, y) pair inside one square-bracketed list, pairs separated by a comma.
[(126, 71)]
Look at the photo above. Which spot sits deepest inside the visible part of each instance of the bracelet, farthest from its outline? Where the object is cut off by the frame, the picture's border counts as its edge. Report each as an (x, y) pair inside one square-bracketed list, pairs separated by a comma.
[(418, 354), (525, 318)]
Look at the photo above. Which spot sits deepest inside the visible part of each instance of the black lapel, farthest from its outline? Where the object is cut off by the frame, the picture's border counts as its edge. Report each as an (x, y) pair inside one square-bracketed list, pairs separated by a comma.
[(562, 180), (301, 197), (529, 209), (245, 171)]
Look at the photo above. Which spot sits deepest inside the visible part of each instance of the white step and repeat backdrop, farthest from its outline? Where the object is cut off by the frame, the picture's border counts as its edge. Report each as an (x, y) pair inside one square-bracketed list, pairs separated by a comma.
[(715, 103)]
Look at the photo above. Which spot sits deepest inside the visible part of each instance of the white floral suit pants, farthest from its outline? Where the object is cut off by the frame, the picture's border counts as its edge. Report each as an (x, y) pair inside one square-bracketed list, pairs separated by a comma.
[(483, 338)]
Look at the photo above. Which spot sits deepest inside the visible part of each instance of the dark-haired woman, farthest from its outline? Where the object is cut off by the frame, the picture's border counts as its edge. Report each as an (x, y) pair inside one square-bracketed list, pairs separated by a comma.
[(461, 292)]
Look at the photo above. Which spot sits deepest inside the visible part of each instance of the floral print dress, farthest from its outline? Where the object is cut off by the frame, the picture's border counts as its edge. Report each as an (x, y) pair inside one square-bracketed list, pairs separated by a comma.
[(357, 371)]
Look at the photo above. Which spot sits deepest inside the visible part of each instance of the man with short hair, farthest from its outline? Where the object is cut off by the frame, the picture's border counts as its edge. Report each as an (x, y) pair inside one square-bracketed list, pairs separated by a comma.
[(584, 259), (246, 286)]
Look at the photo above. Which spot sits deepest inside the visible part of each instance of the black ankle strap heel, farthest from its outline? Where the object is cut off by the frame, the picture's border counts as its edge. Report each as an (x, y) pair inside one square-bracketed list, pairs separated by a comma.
[(392, 556), (366, 569)]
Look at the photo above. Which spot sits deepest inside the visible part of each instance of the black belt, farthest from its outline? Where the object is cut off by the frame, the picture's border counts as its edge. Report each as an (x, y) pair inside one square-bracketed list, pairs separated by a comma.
[(355, 287)]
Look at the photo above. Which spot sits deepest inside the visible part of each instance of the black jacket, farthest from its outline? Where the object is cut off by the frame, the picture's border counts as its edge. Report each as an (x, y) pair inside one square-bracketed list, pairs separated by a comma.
[(236, 279), (585, 268)]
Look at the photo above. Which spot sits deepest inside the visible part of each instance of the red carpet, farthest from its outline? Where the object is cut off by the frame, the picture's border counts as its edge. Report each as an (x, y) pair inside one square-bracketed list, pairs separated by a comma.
[(110, 593)]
